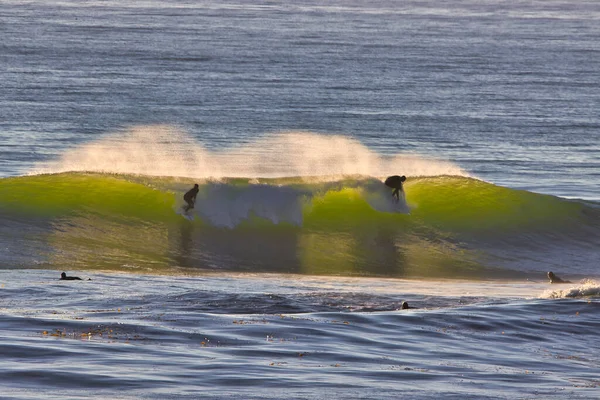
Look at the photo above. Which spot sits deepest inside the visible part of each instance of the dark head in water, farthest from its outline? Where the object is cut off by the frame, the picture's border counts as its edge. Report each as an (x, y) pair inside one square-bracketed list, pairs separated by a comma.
[(395, 182), (404, 306), (555, 279), (64, 277)]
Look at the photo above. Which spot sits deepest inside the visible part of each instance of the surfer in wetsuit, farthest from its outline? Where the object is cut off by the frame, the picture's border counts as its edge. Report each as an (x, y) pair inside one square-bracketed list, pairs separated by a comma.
[(190, 197), (395, 182), (555, 279), (64, 277)]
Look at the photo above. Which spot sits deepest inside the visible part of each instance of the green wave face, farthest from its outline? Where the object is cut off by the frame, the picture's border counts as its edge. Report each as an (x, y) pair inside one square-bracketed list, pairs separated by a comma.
[(68, 194), (348, 227), (470, 205)]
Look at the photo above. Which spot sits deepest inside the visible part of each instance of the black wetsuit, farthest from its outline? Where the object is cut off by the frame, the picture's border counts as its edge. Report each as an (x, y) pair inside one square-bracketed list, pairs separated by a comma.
[(395, 182), (190, 197), (555, 279), (64, 277)]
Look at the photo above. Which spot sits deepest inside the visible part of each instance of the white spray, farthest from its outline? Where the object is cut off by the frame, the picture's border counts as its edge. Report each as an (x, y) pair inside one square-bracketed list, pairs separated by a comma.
[(167, 151)]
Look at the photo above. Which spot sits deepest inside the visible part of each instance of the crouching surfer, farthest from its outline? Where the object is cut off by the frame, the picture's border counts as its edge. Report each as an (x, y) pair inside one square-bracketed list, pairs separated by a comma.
[(555, 279), (395, 182), (190, 197)]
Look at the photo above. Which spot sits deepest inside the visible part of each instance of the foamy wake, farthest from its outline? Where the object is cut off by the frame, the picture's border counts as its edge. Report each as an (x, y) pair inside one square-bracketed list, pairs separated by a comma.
[(168, 151), (225, 205), (586, 288)]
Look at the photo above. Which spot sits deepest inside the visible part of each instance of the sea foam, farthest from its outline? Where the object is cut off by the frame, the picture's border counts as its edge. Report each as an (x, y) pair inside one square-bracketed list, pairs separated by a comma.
[(586, 288)]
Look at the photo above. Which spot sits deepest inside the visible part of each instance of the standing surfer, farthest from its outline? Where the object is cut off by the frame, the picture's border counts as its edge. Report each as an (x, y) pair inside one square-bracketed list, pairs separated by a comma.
[(190, 197), (395, 182)]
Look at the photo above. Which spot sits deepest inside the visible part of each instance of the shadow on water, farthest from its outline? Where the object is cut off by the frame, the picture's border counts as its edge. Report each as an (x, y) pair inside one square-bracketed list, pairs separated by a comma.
[(185, 257), (289, 250), (97, 242), (206, 247)]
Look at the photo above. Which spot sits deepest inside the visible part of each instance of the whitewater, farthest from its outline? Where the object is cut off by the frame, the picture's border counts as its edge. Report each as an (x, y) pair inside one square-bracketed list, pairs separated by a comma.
[(296, 275)]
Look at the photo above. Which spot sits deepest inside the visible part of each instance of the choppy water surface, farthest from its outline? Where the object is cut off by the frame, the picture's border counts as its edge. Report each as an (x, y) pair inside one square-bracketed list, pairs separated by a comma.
[(272, 336)]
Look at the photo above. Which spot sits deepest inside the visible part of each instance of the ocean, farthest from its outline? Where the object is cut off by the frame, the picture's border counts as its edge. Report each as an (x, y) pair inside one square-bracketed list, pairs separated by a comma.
[(289, 279)]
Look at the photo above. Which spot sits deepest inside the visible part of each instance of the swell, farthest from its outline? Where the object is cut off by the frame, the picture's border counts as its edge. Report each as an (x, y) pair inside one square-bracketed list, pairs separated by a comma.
[(448, 226)]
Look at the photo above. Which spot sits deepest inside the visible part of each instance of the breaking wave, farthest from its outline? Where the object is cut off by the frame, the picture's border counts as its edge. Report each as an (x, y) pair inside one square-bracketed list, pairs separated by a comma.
[(448, 226)]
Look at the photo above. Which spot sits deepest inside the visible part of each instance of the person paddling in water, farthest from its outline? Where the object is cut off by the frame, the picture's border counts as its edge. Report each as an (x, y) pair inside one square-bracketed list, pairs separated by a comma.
[(64, 277), (190, 197), (395, 182), (555, 279)]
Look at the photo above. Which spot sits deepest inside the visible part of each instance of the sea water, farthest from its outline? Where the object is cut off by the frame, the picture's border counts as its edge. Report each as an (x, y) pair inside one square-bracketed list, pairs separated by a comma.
[(288, 278)]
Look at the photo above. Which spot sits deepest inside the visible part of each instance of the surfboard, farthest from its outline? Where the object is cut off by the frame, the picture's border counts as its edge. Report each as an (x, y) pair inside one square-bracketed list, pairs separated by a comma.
[(185, 214)]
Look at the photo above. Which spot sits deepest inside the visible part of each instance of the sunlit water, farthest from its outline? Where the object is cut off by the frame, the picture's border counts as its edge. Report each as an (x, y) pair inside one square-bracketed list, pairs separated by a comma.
[(504, 93), (270, 336), (508, 92)]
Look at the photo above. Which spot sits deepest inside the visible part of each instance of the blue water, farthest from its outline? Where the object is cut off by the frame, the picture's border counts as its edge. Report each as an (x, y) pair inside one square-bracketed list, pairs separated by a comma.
[(506, 93), (270, 336), (510, 93)]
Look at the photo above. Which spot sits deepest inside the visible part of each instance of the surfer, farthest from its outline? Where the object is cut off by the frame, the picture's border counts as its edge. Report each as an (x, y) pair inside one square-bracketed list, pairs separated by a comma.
[(190, 197), (64, 277), (555, 279), (405, 306), (395, 182)]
